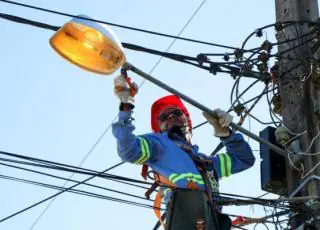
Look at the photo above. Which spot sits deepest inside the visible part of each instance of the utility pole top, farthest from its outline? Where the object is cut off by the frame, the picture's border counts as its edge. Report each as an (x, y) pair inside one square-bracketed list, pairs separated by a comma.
[(300, 98)]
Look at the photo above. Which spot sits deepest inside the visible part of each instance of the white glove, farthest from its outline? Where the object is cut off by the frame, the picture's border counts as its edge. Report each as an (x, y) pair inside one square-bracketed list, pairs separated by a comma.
[(220, 125), (125, 90)]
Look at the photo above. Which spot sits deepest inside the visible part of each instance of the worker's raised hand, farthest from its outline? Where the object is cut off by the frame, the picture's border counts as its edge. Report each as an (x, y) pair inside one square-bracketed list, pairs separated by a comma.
[(220, 124), (125, 90)]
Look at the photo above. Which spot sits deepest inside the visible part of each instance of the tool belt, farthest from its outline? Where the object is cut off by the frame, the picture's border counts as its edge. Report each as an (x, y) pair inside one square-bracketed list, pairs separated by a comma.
[(191, 210)]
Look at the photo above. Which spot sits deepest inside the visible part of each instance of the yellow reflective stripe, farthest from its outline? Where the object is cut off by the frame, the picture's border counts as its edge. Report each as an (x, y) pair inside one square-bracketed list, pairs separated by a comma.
[(145, 151), (222, 165), (225, 164), (188, 176), (164, 193), (229, 164)]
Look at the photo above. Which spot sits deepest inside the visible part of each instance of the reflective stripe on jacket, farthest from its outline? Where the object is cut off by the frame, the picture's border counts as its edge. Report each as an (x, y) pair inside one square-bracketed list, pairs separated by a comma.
[(164, 156)]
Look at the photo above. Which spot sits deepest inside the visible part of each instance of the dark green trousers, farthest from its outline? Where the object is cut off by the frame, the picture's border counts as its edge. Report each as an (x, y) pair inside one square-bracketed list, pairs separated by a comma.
[(186, 208)]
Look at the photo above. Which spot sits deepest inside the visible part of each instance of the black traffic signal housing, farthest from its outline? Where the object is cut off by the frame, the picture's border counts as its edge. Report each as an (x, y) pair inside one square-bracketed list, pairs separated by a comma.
[(273, 165)]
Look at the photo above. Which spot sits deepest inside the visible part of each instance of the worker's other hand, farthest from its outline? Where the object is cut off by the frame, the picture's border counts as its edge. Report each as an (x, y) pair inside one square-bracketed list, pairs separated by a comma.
[(125, 90), (221, 123)]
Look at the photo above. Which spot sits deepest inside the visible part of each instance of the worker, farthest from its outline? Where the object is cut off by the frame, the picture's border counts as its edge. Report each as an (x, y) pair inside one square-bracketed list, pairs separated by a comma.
[(188, 178)]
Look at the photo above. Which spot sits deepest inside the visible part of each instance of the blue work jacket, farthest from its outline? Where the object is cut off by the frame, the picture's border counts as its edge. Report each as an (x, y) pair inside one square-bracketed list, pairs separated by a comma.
[(166, 158)]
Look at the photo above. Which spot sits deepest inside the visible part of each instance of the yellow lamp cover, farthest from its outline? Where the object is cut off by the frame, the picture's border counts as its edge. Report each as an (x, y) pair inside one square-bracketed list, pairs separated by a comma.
[(90, 45)]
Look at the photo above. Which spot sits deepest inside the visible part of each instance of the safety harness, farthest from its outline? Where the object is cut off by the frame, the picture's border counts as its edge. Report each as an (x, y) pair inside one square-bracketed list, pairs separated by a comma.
[(204, 167)]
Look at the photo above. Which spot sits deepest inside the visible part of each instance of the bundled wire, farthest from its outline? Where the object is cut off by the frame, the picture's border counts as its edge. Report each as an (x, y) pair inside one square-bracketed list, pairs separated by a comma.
[(255, 66), (120, 178), (71, 180), (116, 25), (239, 67), (80, 192), (206, 64)]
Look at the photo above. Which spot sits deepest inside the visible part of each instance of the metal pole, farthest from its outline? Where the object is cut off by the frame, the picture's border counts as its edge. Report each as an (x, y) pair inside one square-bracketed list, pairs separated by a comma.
[(134, 69), (303, 184)]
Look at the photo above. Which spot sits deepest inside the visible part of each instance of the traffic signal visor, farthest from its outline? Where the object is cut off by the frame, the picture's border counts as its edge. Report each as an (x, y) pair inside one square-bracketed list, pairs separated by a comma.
[(89, 45)]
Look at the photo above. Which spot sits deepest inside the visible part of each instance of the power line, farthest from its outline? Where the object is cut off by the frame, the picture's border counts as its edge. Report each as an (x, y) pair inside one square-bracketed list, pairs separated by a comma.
[(77, 191), (117, 178), (56, 194), (86, 172), (74, 181), (137, 181), (52, 198), (109, 176), (212, 67), (118, 25)]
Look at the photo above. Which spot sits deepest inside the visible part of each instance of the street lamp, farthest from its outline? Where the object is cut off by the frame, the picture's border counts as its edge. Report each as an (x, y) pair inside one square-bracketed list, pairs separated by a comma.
[(89, 45), (94, 47)]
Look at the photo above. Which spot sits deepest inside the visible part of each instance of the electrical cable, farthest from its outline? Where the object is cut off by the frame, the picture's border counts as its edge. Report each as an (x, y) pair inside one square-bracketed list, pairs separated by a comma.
[(293, 48), (229, 110), (74, 181), (272, 114), (264, 123), (172, 56), (284, 24), (177, 57), (132, 180), (77, 191), (96, 174), (237, 82), (55, 195), (229, 201), (254, 228), (220, 145), (243, 92), (51, 164), (117, 25), (135, 47), (238, 227)]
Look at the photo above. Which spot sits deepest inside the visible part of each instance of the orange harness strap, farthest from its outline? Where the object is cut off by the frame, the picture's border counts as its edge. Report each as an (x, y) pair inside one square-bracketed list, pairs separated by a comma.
[(161, 180), (157, 207)]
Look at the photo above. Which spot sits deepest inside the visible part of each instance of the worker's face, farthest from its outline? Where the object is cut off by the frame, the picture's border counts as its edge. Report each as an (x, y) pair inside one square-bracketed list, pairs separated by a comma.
[(171, 117)]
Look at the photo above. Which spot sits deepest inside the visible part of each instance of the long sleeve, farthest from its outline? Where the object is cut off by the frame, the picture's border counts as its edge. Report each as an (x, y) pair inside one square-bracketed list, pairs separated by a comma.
[(132, 148), (237, 158)]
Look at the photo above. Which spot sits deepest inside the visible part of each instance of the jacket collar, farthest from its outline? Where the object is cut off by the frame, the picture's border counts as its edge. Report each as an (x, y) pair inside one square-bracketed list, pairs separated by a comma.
[(176, 138)]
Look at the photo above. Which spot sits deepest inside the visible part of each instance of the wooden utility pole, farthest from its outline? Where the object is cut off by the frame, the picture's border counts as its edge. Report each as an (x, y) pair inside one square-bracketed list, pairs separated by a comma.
[(300, 97)]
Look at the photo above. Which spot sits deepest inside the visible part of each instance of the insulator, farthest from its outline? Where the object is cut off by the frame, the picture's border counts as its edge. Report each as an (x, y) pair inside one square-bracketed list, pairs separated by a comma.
[(259, 32), (263, 56), (267, 46), (226, 57), (262, 67), (201, 58), (239, 109), (278, 26), (276, 101), (238, 53)]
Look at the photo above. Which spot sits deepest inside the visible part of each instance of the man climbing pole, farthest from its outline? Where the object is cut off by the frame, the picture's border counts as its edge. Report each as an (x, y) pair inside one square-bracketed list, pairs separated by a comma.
[(188, 179)]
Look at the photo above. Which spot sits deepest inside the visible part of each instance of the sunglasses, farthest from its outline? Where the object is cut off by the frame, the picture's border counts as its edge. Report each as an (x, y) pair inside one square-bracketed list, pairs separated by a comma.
[(164, 116)]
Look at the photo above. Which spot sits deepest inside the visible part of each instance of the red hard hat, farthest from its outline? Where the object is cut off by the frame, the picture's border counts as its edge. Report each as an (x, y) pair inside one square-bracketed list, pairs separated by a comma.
[(162, 104)]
